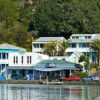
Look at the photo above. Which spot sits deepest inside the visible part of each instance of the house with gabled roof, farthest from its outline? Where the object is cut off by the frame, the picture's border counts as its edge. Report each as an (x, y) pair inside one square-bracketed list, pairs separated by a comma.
[(81, 43), (16, 60), (5, 49), (74, 57), (38, 45), (9, 47)]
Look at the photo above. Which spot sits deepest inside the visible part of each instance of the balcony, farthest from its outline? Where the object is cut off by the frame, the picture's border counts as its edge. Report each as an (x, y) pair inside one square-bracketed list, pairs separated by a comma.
[(37, 50), (78, 50), (4, 61), (80, 40)]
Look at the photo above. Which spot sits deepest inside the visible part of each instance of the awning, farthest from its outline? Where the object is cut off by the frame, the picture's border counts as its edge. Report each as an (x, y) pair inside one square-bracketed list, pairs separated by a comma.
[(54, 69), (19, 67), (56, 65)]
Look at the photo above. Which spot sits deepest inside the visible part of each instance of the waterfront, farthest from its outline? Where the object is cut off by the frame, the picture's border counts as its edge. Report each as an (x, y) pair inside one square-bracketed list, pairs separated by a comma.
[(48, 92)]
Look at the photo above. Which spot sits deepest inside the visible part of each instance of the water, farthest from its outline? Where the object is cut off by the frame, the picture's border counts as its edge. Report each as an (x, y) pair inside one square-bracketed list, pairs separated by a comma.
[(48, 92)]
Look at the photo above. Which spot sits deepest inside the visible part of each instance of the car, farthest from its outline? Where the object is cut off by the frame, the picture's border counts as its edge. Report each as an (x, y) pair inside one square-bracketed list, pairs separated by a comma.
[(72, 78), (18, 76), (90, 78), (61, 78)]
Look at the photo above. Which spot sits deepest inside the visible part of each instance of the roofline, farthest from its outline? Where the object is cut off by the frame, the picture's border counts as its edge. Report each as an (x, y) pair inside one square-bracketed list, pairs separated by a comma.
[(16, 47)]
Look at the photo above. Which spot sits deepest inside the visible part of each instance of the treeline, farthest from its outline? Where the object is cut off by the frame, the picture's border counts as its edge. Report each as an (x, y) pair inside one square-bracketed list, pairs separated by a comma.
[(23, 20)]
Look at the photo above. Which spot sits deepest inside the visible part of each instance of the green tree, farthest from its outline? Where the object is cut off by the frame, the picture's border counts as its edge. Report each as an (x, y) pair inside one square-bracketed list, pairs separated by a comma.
[(9, 13), (96, 47), (55, 48), (62, 17), (5, 36), (50, 48), (62, 45), (85, 59)]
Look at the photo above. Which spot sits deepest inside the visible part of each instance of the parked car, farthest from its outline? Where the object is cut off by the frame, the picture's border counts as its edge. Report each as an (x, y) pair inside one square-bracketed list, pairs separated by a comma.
[(89, 78), (18, 76), (72, 78), (61, 78)]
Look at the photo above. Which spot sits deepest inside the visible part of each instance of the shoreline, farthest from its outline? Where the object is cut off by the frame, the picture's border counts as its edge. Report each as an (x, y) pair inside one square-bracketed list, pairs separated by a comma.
[(50, 83)]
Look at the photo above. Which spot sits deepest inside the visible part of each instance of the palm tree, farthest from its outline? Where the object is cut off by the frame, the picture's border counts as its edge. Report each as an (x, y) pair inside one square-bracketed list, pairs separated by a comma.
[(96, 47), (54, 48), (62, 45), (50, 48)]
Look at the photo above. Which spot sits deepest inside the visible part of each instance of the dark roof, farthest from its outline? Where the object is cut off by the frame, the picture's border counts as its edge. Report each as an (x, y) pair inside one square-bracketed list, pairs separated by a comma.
[(53, 65)]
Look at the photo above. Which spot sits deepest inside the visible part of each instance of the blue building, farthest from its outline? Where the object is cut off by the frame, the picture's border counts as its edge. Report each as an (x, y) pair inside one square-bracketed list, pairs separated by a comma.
[(5, 49), (54, 68), (16, 60)]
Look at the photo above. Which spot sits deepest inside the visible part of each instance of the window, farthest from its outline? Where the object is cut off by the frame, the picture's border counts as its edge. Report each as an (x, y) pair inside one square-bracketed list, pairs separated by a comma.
[(14, 71), (87, 37), (30, 59), (36, 45), (84, 45), (77, 37), (22, 59), (30, 71), (73, 37), (0, 55), (7, 55), (41, 45), (3, 56), (15, 60), (69, 45), (73, 45)]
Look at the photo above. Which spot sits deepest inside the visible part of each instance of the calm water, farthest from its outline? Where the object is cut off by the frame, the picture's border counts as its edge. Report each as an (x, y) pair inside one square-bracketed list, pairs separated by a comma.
[(48, 92)]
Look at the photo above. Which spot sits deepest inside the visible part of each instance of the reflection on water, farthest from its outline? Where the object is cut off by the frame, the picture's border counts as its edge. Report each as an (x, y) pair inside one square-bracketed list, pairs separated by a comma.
[(48, 92)]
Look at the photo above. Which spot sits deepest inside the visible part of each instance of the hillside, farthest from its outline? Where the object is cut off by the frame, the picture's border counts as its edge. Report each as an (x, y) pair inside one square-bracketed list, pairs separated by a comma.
[(21, 21)]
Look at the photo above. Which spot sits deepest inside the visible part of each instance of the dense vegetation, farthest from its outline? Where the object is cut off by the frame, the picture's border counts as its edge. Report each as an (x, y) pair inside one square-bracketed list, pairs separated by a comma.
[(23, 20), (96, 47)]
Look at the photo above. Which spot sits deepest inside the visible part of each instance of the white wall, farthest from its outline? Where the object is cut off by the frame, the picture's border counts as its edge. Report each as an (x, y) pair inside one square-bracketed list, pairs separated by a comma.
[(36, 57), (4, 61), (78, 50), (73, 58)]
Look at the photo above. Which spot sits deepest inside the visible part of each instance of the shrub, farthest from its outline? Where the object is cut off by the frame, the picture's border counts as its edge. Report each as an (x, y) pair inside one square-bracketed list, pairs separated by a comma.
[(81, 74)]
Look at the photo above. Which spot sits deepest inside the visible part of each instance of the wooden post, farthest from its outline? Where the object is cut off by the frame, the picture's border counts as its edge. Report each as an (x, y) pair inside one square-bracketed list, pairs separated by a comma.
[(39, 76), (47, 79), (70, 74)]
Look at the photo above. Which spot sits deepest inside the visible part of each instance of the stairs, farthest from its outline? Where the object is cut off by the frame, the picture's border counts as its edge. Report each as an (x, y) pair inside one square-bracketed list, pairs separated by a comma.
[(2, 71), (2, 77)]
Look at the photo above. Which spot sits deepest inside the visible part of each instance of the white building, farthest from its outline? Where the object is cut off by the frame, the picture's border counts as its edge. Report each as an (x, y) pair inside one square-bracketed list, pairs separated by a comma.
[(74, 57), (81, 43), (38, 45), (26, 59), (17, 60), (5, 49), (23, 63)]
